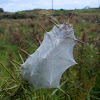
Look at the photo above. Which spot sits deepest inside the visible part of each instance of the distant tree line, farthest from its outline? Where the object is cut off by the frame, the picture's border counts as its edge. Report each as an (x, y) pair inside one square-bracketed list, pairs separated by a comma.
[(15, 16), (1, 10)]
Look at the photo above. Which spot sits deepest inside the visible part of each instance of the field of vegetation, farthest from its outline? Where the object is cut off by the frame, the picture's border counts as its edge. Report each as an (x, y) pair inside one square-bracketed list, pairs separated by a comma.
[(20, 35)]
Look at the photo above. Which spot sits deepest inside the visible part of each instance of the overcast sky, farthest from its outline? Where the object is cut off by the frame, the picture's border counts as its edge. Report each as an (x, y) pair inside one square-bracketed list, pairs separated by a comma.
[(19, 5)]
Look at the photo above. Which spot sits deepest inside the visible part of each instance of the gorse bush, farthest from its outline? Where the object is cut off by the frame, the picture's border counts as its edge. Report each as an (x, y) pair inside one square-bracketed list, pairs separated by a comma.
[(20, 37)]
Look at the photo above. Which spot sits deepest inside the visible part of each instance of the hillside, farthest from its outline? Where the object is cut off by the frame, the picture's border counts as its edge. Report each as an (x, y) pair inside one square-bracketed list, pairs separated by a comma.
[(20, 30)]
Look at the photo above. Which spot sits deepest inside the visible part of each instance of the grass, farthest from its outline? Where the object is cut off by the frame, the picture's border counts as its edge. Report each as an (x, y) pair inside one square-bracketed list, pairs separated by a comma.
[(79, 82)]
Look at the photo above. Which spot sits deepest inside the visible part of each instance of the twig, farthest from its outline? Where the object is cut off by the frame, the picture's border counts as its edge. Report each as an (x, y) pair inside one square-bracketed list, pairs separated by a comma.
[(24, 51), (80, 41), (42, 28), (69, 20), (54, 23), (64, 93)]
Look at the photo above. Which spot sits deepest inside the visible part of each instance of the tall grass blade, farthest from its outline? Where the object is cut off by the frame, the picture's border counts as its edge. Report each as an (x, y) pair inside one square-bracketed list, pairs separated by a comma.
[(15, 62), (14, 65), (21, 57), (10, 88), (53, 93), (24, 51), (9, 72)]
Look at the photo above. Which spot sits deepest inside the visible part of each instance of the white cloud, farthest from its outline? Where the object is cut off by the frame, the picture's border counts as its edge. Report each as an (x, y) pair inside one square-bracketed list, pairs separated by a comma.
[(18, 5)]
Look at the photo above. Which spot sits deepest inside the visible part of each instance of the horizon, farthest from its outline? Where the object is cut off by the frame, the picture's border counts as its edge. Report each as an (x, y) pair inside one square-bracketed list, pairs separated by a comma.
[(51, 9), (23, 5)]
